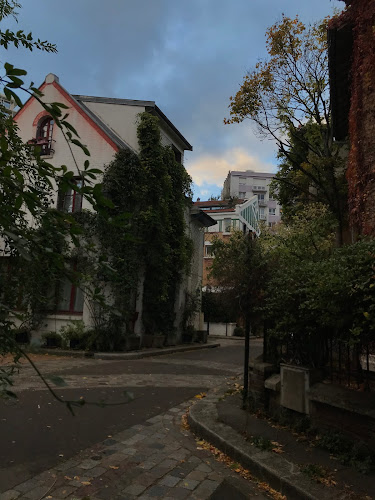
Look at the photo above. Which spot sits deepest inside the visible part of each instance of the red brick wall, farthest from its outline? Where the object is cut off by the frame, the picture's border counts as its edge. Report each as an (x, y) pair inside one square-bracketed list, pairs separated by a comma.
[(207, 262)]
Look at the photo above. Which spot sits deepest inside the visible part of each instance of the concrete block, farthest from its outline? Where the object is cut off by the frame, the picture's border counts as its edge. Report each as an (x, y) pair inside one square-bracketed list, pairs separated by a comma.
[(273, 383), (295, 382)]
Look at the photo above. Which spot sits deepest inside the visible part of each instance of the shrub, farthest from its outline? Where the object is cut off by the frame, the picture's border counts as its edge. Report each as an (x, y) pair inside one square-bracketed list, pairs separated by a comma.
[(239, 331), (52, 339), (74, 331)]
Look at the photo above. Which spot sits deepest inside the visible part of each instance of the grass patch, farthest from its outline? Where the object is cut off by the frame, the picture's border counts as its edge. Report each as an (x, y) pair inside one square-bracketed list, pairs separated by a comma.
[(319, 474), (356, 455), (262, 443)]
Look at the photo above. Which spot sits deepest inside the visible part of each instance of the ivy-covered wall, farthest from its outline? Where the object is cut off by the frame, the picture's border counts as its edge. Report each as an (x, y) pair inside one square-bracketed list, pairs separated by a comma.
[(360, 15), (143, 249)]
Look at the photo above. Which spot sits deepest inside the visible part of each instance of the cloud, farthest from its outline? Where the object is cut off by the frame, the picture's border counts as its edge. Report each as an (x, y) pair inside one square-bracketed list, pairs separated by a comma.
[(212, 169), (178, 54)]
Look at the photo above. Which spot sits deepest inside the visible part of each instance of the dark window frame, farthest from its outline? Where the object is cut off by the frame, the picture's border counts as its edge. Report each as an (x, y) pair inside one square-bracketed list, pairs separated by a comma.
[(74, 289), (44, 135), (63, 202)]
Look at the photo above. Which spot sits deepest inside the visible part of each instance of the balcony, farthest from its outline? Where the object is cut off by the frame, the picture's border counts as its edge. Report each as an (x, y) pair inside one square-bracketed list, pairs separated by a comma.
[(262, 203), (262, 189), (44, 144)]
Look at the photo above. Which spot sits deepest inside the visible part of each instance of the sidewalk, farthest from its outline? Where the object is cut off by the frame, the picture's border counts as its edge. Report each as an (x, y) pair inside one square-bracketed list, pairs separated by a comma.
[(159, 459), (220, 420)]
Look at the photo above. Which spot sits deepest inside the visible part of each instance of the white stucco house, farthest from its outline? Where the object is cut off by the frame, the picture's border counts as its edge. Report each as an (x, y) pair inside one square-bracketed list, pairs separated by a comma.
[(105, 126)]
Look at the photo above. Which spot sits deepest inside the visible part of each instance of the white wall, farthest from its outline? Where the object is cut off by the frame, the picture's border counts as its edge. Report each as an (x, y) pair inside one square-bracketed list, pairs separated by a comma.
[(101, 151), (220, 328), (122, 119)]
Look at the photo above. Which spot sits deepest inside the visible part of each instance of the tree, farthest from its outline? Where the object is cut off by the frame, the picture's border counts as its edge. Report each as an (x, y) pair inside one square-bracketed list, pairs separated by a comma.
[(27, 183), (287, 98), (239, 269), (317, 295), (295, 253)]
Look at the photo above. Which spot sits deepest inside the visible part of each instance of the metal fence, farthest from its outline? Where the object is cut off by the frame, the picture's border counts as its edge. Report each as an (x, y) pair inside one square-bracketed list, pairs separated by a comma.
[(340, 361), (352, 365)]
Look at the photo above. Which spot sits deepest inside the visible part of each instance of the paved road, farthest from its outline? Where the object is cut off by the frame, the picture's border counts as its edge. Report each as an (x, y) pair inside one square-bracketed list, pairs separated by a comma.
[(38, 432)]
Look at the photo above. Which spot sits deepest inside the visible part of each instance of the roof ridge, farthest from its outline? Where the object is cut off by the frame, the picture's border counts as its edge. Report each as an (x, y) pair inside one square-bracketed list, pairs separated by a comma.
[(113, 100)]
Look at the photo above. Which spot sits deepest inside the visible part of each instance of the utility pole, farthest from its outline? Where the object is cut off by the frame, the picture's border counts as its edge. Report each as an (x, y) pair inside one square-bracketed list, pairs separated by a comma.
[(247, 328), (246, 362)]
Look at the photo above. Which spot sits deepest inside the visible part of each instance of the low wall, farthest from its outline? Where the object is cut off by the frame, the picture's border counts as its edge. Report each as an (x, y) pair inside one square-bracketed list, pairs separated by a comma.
[(330, 406), (350, 412), (225, 329)]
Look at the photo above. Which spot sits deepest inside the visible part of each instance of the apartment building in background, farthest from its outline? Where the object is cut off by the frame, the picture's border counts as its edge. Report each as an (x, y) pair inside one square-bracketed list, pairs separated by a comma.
[(246, 184), (7, 105), (228, 217)]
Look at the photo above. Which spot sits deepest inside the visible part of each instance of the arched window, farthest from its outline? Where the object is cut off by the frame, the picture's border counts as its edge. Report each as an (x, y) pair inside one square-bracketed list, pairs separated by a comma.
[(44, 135)]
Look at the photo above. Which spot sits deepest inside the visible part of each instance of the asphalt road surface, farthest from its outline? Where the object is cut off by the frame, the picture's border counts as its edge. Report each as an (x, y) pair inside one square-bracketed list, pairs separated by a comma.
[(38, 431)]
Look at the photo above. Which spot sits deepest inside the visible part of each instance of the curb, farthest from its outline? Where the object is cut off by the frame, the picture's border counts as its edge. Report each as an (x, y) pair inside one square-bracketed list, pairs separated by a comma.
[(281, 474), (123, 355), (152, 352), (233, 337)]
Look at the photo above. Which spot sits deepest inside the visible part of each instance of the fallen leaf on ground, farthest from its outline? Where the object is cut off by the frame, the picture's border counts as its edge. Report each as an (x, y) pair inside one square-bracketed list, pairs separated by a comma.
[(277, 450), (222, 457), (113, 467), (200, 395)]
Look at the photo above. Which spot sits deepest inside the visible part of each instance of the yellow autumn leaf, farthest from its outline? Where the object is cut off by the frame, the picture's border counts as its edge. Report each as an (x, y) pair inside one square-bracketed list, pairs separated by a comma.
[(113, 467), (200, 395), (277, 450)]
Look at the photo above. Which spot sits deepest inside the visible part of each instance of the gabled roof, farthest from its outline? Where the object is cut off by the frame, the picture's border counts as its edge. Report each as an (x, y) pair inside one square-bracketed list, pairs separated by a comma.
[(202, 218), (113, 139), (149, 106), (111, 133), (78, 102), (246, 210)]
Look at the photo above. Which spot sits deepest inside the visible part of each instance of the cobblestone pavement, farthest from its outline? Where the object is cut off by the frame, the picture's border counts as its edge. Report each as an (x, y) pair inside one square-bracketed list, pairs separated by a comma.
[(151, 458), (158, 459), (87, 373)]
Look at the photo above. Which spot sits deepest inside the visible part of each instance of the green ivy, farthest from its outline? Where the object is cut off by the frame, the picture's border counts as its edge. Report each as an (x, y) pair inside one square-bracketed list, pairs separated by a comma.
[(142, 235)]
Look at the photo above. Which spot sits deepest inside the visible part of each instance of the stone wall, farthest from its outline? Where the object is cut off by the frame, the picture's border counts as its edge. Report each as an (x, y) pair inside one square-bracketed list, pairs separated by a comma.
[(349, 412), (258, 374), (331, 407)]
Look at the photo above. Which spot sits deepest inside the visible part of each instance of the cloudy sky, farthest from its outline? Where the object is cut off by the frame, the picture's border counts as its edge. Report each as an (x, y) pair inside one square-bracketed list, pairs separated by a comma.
[(188, 56)]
